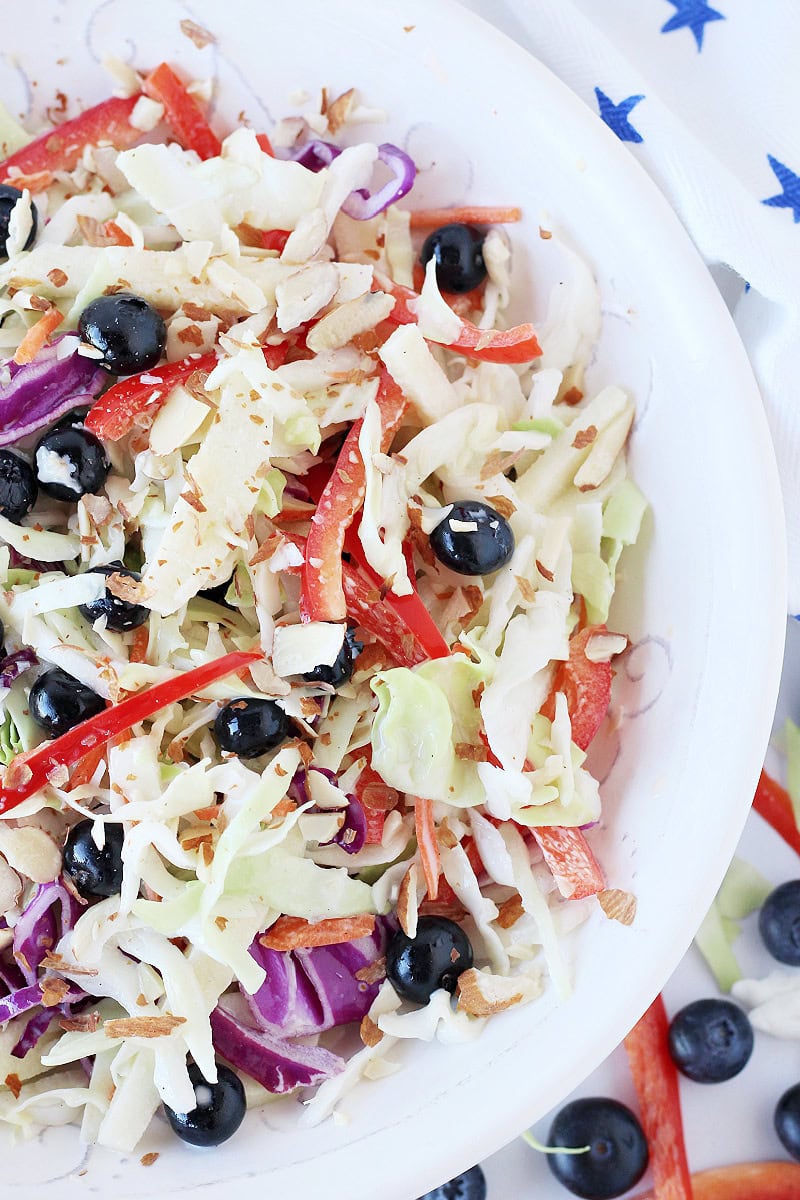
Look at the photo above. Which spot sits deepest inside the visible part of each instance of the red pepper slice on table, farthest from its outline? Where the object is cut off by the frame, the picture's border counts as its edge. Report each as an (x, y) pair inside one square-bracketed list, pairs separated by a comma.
[(114, 413), (322, 597), (31, 771), (183, 114), (61, 149), (772, 802), (515, 345), (655, 1078), (744, 1181)]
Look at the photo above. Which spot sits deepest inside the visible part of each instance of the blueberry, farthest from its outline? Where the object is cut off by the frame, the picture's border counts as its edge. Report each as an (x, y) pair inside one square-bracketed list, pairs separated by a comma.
[(58, 702), (710, 1040), (94, 872), (18, 487), (250, 726), (473, 539), (458, 251), (127, 329), (435, 958), (779, 923), (220, 1109), (787, 1121), (471, 1185), (617, 1156), (341, 669), (8, 198), (70, 462), (120, 615)]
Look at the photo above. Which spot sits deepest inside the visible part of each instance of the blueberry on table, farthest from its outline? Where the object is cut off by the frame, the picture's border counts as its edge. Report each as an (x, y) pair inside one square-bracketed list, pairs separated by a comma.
[(18, 487), (470, 1185), (220, 1110), (617, 1156), (787, 1121), (779, 923), (94, 872), (416, 967), (458, 251), (70, 463), (339, 672), (473, 539), (128, 331), (710, 1040), (250, 726), (8, 198), (121, 615), (58, 702)]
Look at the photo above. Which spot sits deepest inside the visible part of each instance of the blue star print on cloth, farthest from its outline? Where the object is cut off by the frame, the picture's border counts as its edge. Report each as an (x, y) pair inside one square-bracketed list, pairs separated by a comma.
[(694, 15), (790, 196), (616, 115)]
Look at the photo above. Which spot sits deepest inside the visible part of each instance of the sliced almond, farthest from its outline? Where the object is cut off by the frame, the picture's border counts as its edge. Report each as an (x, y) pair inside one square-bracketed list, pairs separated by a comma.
[(618, 905), (32, 852), (482, 995), (370, 1033), (53, 990), (510, 911), (143, 1027), (602, 647), (123, 587), (10, 886), (407, 904), (374, 972)]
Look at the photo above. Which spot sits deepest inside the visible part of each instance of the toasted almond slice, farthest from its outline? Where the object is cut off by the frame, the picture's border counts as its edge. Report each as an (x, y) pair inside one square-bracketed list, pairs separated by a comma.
[(482, 995), (618, 905), (143, 1027), (370, 1033), (407, 904), (602, 647)]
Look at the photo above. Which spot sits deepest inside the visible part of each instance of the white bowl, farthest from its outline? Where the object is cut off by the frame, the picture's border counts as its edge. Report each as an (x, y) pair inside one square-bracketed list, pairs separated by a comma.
[(702, 597)]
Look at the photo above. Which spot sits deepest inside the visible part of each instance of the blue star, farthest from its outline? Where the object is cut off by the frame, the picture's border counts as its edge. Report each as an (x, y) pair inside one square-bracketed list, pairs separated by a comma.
[(616, 116), (790, 196), (694, 15)]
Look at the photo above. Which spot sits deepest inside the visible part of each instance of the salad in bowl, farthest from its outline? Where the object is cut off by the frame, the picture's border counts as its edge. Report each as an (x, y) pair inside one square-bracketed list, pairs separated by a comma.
[(307, 555)]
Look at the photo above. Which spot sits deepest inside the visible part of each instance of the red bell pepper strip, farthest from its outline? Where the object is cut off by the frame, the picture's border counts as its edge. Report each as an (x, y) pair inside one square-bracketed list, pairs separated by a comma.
[(744, 1181), (586, 685), (183, 113), (516, 345), (61, 149), (322, 597), (772, 802), (409, 609), (265, 144), (570, 859), (655, 1078), (29, 772), (367, 608), (114, 413)]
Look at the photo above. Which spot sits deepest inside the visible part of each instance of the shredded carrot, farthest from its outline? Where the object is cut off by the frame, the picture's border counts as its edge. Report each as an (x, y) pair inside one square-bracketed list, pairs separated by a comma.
[(139, 644), (427, 845), (37, 335), (86, 767), (295, 933), (38, 181), (469, 214)]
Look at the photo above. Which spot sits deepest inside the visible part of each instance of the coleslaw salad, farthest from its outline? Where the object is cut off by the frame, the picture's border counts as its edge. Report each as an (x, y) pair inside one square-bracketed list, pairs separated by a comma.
[(319, 407)]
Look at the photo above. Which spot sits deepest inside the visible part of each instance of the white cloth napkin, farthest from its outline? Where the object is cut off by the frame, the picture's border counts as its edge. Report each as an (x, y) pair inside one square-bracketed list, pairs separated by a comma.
[(707, 97)]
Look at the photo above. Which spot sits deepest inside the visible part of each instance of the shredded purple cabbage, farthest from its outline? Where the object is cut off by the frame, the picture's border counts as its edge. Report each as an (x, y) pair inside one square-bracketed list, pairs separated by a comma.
[(309, 991), (36, 1027), (362, 204), (58, 380), (20, 1001), (353, 833), (278, 1065), (16, 664), (38, 929)]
